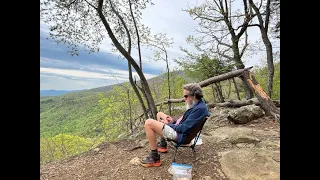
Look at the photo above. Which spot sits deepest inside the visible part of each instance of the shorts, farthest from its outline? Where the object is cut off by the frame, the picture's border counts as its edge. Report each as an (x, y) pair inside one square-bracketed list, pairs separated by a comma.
[(169, 133)]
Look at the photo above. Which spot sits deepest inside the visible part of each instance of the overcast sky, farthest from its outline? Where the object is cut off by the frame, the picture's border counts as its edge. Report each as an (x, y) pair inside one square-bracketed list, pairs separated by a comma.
[(61, 71)]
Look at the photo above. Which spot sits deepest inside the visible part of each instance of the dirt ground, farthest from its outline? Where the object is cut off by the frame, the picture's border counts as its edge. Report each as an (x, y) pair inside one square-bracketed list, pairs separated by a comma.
[(112, 160)]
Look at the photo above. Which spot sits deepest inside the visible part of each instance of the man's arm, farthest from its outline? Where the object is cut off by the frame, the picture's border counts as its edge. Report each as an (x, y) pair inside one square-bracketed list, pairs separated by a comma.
[(191, 120), (167, 120)]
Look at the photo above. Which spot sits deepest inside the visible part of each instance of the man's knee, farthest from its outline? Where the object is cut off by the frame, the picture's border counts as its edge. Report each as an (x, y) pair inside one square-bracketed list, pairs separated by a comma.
[(148, 122), (159, 114)]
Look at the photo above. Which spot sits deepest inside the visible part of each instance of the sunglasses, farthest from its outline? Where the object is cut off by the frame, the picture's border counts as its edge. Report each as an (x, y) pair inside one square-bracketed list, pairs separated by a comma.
[(186, 96)]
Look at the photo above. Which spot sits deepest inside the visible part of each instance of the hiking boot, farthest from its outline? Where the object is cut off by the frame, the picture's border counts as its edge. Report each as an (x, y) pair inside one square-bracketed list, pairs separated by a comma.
[(151, 160), (162, 147)]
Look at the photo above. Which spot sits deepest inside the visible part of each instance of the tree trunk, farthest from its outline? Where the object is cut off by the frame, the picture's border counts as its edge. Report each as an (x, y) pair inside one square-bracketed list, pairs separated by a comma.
[(169, 92), (247, 89), (137, 33), (137, 92), (130, 116), (266, 103), (236, 88), (213, 94), (129, 58), (129, 52), (219, 92), (263, 25), (268, 45), (240, 65), (229, 92)]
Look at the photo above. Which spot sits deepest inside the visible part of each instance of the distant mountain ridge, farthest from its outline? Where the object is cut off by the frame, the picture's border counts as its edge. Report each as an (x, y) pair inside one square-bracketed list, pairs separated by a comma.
[(156, 79), (53, 92)]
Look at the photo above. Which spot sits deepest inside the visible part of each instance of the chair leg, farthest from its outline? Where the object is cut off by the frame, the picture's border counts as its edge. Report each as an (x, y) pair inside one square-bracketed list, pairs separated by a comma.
[(192, 147), (174, 155)]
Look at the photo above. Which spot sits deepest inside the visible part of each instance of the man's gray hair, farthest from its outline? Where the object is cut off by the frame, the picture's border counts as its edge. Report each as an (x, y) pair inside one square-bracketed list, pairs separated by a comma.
[(194, 90)]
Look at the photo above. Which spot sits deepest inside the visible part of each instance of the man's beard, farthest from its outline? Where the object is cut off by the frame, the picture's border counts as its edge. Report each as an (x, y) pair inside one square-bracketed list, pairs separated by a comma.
[(188, 106)]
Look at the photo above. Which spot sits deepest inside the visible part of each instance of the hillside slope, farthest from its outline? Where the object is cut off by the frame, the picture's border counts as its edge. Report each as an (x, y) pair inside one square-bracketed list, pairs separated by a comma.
[(70, 113), (77, 112), (117, 160)]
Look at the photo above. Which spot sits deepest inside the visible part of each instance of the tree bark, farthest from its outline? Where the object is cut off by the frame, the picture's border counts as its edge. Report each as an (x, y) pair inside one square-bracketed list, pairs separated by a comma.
[(235, 46), (266, 103), (219, 92), (129, 65), (223, 77), (137, 32), (130, 116), (229, 90), (169, 91), (137, 92), (213, 94), (236, 88), (263, 26)]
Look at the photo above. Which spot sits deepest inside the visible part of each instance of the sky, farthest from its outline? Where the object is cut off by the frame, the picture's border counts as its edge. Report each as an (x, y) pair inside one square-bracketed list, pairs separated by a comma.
[(61, 71)]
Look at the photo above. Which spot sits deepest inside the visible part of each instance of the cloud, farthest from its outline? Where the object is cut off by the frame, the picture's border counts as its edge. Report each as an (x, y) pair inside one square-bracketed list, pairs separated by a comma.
[(63, 71), (73, 75)]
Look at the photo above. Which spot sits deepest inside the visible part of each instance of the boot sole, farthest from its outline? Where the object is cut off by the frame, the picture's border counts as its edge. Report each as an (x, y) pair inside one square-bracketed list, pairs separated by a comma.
[(162, 150), (156, 164)]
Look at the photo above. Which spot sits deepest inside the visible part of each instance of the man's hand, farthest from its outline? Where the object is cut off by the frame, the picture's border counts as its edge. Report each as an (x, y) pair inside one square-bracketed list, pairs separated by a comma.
[(169, 120)]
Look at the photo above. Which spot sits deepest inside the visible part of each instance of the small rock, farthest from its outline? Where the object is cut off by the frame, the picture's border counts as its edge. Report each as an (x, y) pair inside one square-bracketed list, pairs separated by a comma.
[(206, 178), (220, 172), (135, 161)]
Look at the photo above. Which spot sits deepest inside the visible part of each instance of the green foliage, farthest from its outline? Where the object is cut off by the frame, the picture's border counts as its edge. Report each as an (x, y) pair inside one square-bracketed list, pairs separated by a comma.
[(73, 113), (203, 67), (176, 84), (117, 106), (64, 145)]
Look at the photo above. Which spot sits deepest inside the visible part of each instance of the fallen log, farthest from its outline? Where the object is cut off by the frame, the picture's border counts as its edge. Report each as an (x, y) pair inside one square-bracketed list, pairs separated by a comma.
[(235, 103)]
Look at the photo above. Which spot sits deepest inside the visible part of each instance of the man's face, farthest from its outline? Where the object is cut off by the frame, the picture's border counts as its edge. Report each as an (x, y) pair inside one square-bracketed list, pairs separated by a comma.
[(187, 98)]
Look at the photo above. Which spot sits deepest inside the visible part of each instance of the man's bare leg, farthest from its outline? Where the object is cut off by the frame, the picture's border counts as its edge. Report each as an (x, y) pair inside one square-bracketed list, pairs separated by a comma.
[(153, 128), (162, 117)]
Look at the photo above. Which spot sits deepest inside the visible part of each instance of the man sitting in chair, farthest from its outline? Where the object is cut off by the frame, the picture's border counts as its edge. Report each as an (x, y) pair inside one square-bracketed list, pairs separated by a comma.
[(167, 128)]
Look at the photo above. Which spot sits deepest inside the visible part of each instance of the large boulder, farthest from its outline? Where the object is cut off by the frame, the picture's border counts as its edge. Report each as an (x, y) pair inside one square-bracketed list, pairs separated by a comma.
[(245, 114), (251, 163)]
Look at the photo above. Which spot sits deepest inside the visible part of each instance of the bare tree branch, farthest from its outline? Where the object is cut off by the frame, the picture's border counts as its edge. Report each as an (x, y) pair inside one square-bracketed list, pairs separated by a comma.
[(260, 4), (245, 44), (226, 6), (220, 42), (223, 55), (267, 15), (214, 20), (135, 82), (257, 12), (124, 25), (89, 4), (137, 32), (250, 25), (217, 4)]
